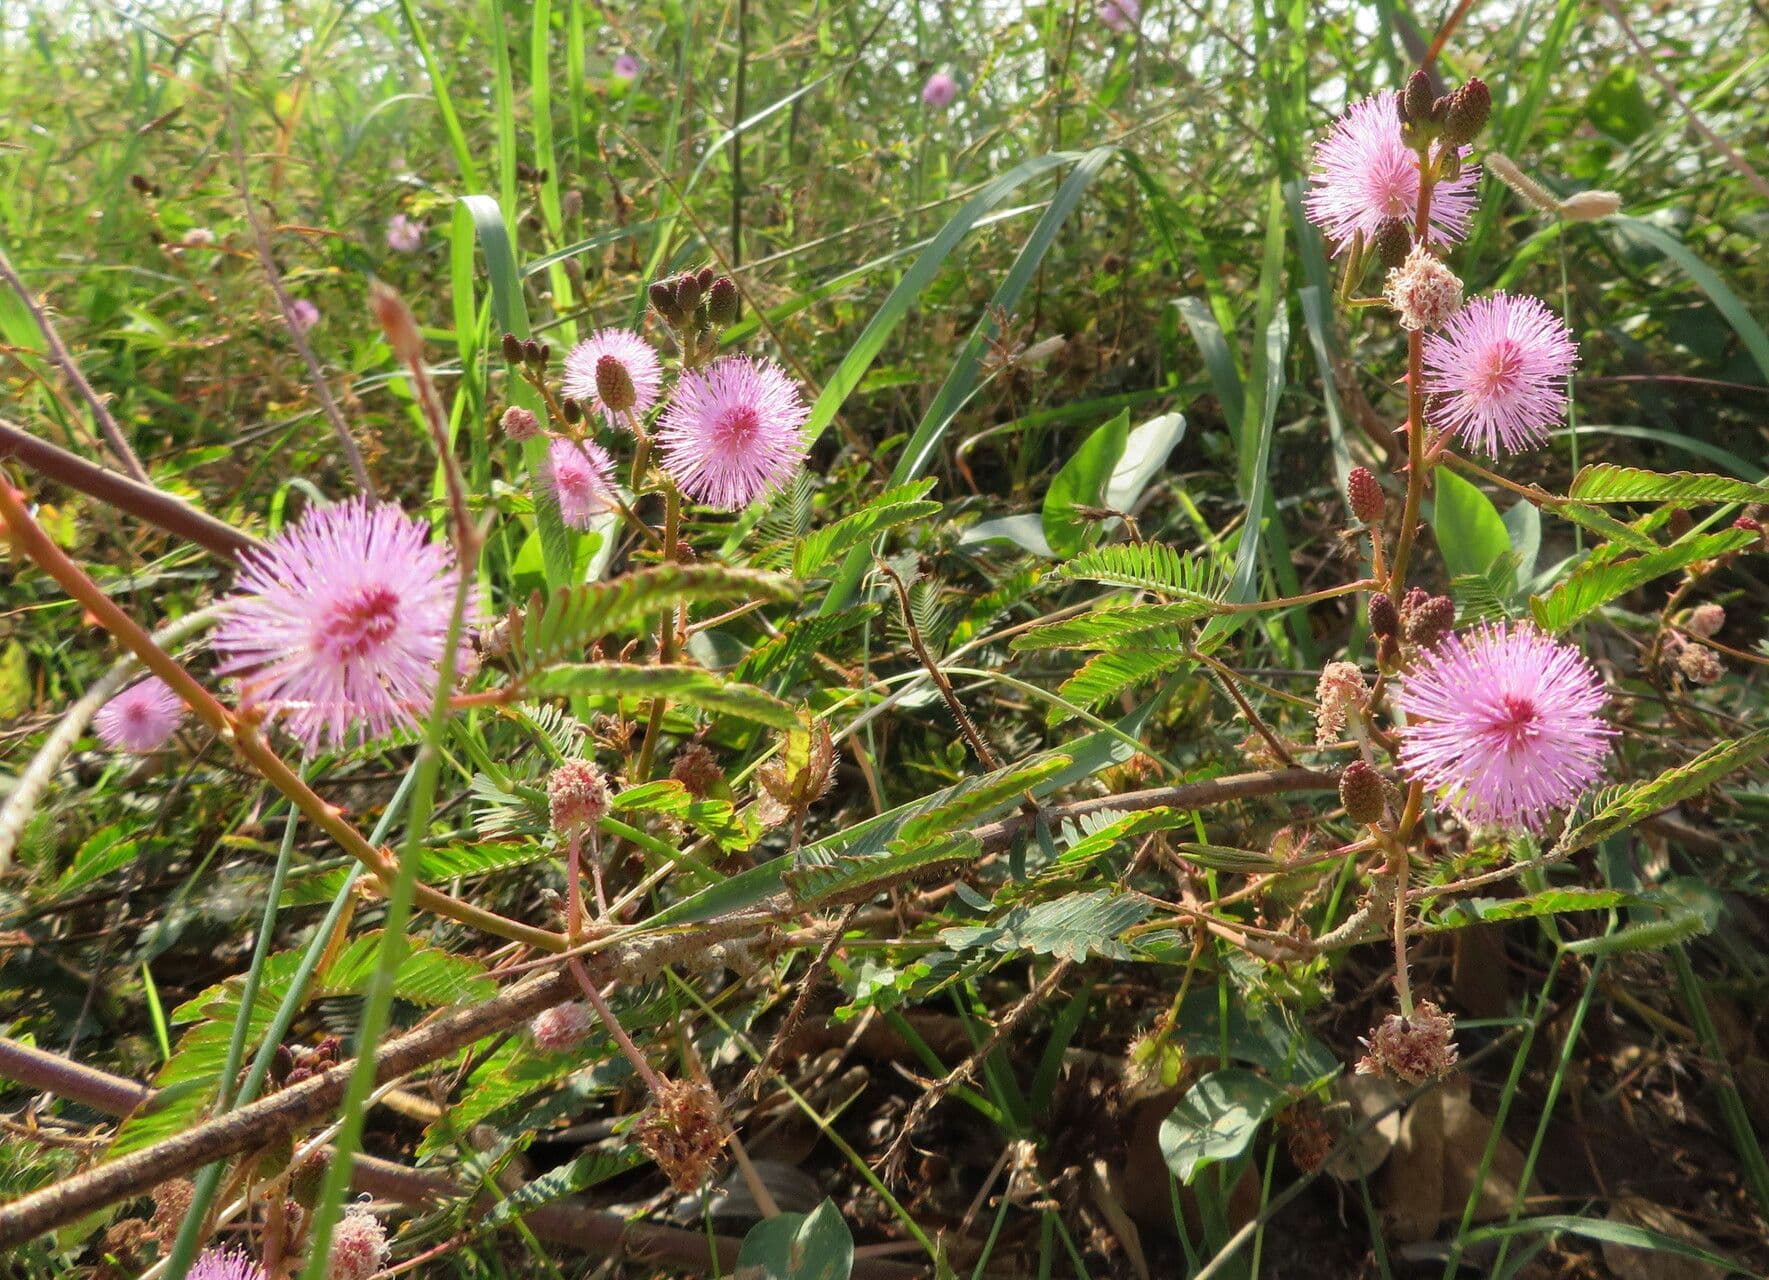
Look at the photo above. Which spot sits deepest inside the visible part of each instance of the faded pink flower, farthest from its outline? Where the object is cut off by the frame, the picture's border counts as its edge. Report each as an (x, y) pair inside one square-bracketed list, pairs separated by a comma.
[(637, 356), (731, 432), (303, 314), (224, 1264), (404, 235), (1422, 291), (577, 797), (1365, 175), (626, 67), (339, 623), (561, 1026), (359, 1246), (1122, 16), (1500, 366), (582, 481), (1504, 724), (940, 91), (141, 718)]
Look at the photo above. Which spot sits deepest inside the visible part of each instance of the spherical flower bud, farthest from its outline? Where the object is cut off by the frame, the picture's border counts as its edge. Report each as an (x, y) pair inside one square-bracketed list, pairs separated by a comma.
[(1340, 691), (1384, 618), (359, 1246), (572, 409), (1412, 1050), (519, 424), (1393, 242), (577, 797), (1417, 100), (1423, 291), (1364, 492), (562, 1026), (1700, 664), (1361, 792), (1590, 206), (1430, 621), (663, 300), (697, 769), (614, 384), (512, 346), (683, 1131), (622, 361), (721, 303), (1466, 113), (1705, 620)]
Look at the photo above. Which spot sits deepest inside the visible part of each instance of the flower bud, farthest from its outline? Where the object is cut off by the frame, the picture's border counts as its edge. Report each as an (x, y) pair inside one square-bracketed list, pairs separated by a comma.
[(1416, 101), (1590, 206), (721, 303), (572, 409), (1431, 621), (1680, 523), (1394, 241), (512, 348), (688, 293), (1705, 620), (519, 424), (615, 385), (1361, 792), (705, 277), (1466, 115), (1364, 492), (663, 301), (531, 351), (1384, 620), (562, 1026)]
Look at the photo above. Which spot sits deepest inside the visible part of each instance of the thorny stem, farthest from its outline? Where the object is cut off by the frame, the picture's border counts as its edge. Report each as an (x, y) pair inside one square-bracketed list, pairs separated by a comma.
[(28, 536), (1403, 986), (666, 632), (1229, 679), (984, 755), (1403, 545)]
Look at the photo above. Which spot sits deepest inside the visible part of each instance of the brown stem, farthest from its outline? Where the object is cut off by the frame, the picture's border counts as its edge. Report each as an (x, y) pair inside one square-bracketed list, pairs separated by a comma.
[(1444, 33), (1409, 520), (1252, 717), (984, 755), (101, 414), (137, 498)]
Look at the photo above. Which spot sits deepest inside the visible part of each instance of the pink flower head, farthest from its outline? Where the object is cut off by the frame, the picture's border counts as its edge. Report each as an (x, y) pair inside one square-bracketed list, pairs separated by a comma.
[(1504, 724), (626, 67), (339, 624), (637, 356), (940, 91), (562, 1026), (1122, 16), (303, 314), (141, 718), (404, 235), (224, 1264), (582, 481), (731, 432), (1364, 175), (359, 1246), (1500, 364)]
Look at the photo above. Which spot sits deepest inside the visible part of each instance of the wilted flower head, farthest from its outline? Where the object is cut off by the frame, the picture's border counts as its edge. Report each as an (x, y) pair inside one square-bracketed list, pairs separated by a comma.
[(171, 1202), (582, 480), (683, 1131), (520, 424), (141, 718), (1120, 15), (224, 1264), (1340, 691), (1504, 724), (697, 769), (940, 90), (359, 1246), (626, 67), (1499, 367), (404, 234), (1414, 1049), (637, 356), (338, 624), (799, 775), (577, 797), (1700, 664), (731, 432), (303, 314), (1365, 175), (562, 1026), (1423, 291)]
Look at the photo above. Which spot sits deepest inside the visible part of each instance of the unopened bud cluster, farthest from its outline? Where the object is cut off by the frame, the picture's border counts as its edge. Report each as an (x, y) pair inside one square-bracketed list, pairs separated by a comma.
[(1454, 119), (697, 306)]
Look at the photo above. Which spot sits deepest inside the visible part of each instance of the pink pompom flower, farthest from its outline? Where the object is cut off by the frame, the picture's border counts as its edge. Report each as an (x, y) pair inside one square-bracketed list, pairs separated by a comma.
[(582, 481), (637, 356), (224, 1264), (340, 622), (1122, 16), (1365, 174), (141, 718), (731, 432), (1504, 725), (359, 1246), (626, 67), (303, 314), (404, 234), (940, 91), (1499, 366)]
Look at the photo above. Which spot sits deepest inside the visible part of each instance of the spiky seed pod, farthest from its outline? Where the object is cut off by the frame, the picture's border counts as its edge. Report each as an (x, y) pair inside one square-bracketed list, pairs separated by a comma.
[(697, 769), (1364, 492), (1384, 619), (1466, 114), (1361, 792)]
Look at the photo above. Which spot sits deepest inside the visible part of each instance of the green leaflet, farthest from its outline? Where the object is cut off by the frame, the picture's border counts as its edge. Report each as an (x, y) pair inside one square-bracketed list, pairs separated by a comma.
[(694, 686)]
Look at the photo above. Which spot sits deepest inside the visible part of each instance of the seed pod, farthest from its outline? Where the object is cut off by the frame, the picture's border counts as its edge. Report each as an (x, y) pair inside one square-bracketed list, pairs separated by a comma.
[(1365, 495), (1360, 791), (1468, 110), (1384, 619)]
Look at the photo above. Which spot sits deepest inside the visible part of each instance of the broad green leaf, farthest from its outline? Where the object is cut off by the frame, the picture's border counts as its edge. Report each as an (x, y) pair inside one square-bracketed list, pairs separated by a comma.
[(799, 1246), (1145, 454), (1217, 1120), (1617, 105), (1706, 279), (1470, 532), (1081, 483)]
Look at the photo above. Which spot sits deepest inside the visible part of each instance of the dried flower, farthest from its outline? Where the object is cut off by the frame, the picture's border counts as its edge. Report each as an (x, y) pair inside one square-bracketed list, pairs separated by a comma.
[(404, 235), (359, 1246), (1423, 291), (940, 91), (731, 432), (339, 623), (1362, 793), (1414, 1049), (684, 1132), (224, 1264), (197, 238), (636, 357), (519, 424), (172, 1200), (1500, 367), (1700, 664), (1365, 174), (1504, 724), (577, 797), (142, 718), (800, 774), (1340, 691), (1122, 16), (1705, 620), (303, 314), (697, 769), (1590, 206), (582, 481), (562, 1026)]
